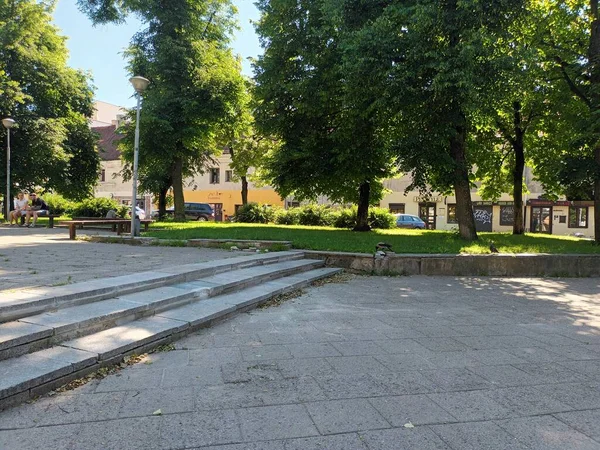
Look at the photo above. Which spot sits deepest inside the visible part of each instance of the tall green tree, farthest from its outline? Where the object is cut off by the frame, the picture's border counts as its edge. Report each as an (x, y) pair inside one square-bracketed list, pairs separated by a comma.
[(329, 134), (52, 146), (196, 82)]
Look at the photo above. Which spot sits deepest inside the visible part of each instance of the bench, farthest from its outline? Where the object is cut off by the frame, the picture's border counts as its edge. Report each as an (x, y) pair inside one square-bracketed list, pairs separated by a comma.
[(119, 225), (50, 218)]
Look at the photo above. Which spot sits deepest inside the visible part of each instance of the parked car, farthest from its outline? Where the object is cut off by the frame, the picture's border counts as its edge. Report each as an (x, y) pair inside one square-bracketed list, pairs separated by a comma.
[(410, 221), (139, 212), (196, 211)]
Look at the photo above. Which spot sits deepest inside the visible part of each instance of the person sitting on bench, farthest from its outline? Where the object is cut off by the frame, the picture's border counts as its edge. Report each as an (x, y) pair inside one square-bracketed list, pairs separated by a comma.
[(37, 208), (20, 209)]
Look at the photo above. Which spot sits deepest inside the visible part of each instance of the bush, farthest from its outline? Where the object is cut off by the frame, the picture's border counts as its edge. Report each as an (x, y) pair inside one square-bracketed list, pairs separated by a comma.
[(381, 218), (287, 216), (255, 213), (345, 218), (96, 207), (315, 215), (57, 203)]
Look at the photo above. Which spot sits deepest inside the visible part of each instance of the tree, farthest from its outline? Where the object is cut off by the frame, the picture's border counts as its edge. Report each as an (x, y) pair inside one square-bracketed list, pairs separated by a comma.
[(52, 146), (196, 83), (329, 136)]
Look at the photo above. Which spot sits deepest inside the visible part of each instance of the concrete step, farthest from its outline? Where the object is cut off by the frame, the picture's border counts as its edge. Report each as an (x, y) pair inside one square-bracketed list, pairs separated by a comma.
[(36, 373), (35, 301), (44, 330)]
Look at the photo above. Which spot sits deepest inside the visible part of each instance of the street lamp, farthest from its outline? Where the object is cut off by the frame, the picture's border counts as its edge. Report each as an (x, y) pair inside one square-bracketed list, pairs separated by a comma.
[(139, 84), (8, 124)]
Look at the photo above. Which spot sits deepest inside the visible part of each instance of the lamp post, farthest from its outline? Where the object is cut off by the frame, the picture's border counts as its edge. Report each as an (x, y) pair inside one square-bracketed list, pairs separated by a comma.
[(139, 84), (8, 124)]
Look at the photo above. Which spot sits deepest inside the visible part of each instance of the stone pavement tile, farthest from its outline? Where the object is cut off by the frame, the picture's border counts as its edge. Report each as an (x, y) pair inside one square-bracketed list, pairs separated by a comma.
[(214, 357), (551, 340), (291, 390), (403, 383), (590, 369), (552, 372), (160, 360), (359, 348), (351, 386), (365, 335), (131, 379), (195, 341), (402, 333), (279, 337), (586, 422), (576, 352), (477, 436), (346, 365), (226, 396), (416, 409), (442, 331), (450, 360), (243, 372), (322, 336), (198, 429), (534, 354), (397, 346), (265, 352), (312, 350), (275, 422), (348, 441), (343, 416), (505, 375), (470, 405), (526, 401), (584, 395), (405, 361), (294, 368), (421, 438), (547, 433), (191, 376), (120, 434), (482, 330), (488, 342), (494, 357), (447, 380), (233, 340), (442, 344), (263, 445), (60, 437), (168, 400)]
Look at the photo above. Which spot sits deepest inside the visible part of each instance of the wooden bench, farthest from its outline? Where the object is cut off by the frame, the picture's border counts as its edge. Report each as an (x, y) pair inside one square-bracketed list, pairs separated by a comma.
[(50, 218), (119, 225)]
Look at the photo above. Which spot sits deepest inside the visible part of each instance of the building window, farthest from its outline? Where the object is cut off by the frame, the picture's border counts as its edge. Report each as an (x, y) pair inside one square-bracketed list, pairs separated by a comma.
[(293, 204), (451, 213), (103, 175), (578, 217), (214, 176), (237, 207), (397, 208), (228, 176), (507, 215)]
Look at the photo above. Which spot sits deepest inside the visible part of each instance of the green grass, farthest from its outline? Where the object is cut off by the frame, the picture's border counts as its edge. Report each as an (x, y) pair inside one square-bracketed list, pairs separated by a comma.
[(403, 241)]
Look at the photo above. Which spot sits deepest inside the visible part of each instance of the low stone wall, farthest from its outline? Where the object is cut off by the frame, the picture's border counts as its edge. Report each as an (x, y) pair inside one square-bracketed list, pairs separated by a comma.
[(501, 265)]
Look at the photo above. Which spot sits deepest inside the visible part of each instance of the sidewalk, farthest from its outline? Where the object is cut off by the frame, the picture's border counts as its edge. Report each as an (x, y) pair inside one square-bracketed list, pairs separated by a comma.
[(374, 363)]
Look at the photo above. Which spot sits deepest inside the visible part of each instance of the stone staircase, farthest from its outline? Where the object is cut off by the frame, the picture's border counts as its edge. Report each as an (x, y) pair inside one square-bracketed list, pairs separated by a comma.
[(51, 336)]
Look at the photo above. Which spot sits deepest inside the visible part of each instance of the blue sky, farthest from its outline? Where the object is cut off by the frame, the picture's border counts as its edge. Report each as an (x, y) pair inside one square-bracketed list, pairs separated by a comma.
[(99, 49)]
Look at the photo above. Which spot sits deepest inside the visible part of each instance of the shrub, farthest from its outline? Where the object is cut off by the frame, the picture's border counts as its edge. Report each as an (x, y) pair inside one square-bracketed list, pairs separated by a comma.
[(57, 203), (381, 218), (94, 207), (345, 218), (287, 216), (315, 215), (255, 213)]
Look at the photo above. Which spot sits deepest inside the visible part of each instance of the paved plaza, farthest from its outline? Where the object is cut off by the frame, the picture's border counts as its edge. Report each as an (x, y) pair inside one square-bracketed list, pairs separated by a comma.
[(366, 363)]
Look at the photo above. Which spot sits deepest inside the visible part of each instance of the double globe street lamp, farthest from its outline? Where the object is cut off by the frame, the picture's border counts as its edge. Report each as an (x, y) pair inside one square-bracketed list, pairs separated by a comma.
[(8, 124), (139, 84)]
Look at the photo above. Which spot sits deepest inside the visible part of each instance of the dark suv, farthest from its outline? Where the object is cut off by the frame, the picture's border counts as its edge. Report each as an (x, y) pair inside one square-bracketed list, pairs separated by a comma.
[(199, 211)]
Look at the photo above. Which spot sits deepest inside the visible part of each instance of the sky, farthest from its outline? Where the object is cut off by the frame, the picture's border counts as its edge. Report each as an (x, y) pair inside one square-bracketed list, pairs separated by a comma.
[(99, 49)]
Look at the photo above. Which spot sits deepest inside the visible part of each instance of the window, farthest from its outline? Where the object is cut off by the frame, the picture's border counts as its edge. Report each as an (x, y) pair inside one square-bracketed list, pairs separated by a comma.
[(507, 215), (214, 176), (103, 175), (578, 217), (397, 208), (228, 176), (452, 213), (293, 204)]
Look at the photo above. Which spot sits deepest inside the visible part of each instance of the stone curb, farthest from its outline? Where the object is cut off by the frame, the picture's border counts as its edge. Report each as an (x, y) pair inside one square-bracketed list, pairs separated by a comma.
[(205, 243)]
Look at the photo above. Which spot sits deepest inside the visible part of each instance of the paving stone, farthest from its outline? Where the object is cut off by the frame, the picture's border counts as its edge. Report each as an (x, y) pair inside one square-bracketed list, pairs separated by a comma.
[(213, 357), (547, 433), (415, 409), (125, 434), (161, 360), (265, 352), (277, 337), (191, 376), (131, 379), (505, 375), (263, 445), (441, 344), (526, 401), (477, 436), (277, 422), (400, 383), (451, 360), (534, 354), (585, 395), (343, 416), (576, 352), (395, 346), (446, 380), (145, 402), (470, 405), (421, 438), (351, 386), (199, 429), (551, 373), (346, 365), (295, 368), (61, 437), (590, 369), (346, 441), (312, 350), (246, 371), (494, 357), (359, 348), (365, 335), (583, 421), (233, 340), (489, 342)]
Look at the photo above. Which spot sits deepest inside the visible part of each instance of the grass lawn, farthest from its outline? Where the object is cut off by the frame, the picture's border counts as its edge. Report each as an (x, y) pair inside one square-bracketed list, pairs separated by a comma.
[(403, 241)]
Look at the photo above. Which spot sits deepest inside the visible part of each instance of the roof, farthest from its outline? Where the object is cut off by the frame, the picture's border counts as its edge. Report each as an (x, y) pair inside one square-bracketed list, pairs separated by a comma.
[(107, 142)]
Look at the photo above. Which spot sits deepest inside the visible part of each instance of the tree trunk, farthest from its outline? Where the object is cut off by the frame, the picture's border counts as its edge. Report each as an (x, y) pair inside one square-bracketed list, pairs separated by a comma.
[(594, 68), (162, 202), (597, 197), (518, 169), (462, 188), (362, 216), (244, 190), (177, 175)]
